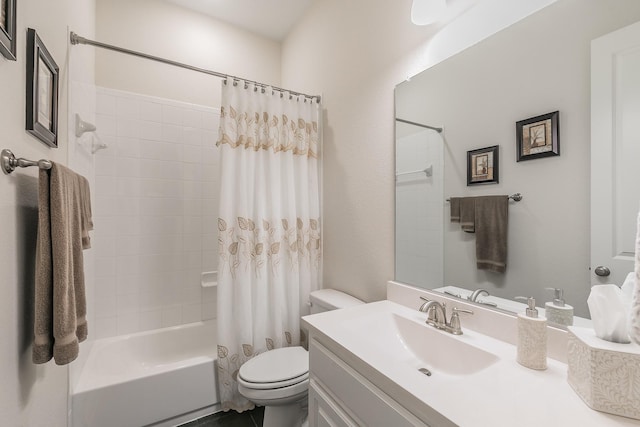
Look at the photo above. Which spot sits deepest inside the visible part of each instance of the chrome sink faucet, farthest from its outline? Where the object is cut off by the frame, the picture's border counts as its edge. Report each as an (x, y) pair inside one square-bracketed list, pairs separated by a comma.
[(437, 316), (479, 292)]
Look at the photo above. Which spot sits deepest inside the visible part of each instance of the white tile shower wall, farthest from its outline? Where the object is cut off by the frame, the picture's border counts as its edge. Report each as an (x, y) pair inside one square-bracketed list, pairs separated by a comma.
[(419, 210), (156, 203)]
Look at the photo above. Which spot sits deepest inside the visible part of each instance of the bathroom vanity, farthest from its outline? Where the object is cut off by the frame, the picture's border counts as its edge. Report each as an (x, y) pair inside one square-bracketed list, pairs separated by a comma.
[(379, 364)]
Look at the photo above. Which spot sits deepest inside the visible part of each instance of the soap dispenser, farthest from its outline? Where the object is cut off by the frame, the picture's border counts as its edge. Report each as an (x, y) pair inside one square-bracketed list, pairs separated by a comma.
[(532, 337), (557, 311)]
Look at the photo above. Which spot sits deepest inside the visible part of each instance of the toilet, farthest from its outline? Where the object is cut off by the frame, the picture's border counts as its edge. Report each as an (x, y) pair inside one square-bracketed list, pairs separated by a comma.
[(279, 379)]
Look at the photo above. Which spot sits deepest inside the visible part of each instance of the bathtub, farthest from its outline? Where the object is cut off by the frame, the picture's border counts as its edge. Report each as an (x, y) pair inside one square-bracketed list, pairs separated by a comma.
[(148, 378)]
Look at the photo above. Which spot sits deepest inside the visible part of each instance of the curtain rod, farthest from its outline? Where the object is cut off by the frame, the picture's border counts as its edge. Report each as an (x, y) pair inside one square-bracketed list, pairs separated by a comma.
[(439, 130), (76, 39)]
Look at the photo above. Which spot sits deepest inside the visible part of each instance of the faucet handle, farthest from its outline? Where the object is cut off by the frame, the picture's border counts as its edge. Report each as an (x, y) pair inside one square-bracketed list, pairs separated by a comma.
[(454, 323)]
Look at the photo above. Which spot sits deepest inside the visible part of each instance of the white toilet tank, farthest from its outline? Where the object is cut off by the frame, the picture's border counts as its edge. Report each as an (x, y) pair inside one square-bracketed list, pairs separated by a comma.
[(330, 299)]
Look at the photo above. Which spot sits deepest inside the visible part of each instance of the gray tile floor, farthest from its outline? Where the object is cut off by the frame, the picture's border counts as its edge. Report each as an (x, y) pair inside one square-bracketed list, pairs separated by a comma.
[(230, 419)]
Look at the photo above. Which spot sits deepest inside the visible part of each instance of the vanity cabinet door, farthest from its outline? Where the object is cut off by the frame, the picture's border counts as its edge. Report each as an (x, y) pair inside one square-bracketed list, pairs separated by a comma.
[(354, 394), (324, 411)]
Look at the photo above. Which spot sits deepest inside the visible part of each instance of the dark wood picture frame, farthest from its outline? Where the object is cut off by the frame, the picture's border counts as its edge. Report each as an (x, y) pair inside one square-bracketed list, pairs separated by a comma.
[(483, 165), (8, 29), (538, 137), (42, 91)]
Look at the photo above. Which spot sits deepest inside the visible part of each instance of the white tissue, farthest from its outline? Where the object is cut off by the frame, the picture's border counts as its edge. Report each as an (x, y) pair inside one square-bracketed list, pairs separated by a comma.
[(609, 309), (628, 284)]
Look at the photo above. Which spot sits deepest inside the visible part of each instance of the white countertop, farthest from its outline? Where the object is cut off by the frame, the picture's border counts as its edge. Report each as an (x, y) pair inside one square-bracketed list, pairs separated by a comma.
[(503, 394)]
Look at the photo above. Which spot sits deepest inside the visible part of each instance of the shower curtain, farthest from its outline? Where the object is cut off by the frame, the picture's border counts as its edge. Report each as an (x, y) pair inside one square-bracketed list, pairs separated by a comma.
[(268, 226)]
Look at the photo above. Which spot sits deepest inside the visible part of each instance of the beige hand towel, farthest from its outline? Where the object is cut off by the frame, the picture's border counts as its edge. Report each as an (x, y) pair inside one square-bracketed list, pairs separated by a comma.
[(491, 224), (87, 219), (64, 220), (454, 205), (468, 214)]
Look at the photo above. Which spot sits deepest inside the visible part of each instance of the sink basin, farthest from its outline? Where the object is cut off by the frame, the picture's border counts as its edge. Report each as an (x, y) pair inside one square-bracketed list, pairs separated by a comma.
[(440, 351), (406, 339)]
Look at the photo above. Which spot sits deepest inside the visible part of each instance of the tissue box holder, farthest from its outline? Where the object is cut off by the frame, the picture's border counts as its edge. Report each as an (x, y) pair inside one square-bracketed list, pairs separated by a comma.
[(605, 375)]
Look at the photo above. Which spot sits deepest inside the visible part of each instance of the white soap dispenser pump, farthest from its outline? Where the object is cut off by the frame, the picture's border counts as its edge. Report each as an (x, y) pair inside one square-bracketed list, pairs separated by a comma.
[(557, 311), (532, 337)]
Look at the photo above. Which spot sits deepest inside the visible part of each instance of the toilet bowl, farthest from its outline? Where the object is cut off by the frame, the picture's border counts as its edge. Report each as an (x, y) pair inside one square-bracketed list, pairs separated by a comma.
[(279, 379)]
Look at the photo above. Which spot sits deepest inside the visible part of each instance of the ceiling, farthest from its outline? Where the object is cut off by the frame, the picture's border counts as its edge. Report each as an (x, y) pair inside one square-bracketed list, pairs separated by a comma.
[(269, 18)]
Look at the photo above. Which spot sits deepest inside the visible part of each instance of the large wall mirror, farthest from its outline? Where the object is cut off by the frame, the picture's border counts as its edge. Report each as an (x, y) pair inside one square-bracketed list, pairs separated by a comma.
[(537, 66)]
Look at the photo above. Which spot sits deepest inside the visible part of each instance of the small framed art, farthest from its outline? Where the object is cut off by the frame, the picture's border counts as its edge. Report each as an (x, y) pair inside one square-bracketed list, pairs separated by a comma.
[(483, 166), (8, 29), (538, 137), (42, 91)]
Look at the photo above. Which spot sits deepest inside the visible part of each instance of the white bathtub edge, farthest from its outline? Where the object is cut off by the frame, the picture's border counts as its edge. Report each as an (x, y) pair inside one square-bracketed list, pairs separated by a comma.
[(188, 417)]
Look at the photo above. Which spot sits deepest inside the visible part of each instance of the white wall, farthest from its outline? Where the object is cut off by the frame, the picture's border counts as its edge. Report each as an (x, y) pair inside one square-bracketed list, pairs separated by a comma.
[(163, 29), (30, 395), (355, 52)]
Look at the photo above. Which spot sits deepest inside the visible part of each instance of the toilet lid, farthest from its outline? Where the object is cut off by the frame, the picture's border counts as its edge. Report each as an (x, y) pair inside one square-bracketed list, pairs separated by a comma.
[(277, 365)]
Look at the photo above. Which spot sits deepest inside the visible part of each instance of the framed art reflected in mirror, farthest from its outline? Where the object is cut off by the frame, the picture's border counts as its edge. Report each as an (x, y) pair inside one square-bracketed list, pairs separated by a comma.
[(538, 137), (483, 166)]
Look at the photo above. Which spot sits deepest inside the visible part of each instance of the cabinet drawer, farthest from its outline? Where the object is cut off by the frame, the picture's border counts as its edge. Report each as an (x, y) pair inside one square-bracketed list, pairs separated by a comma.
[(324, 411), (358, 396)]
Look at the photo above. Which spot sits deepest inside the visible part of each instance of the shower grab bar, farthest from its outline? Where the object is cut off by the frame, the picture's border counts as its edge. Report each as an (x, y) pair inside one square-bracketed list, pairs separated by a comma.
[(428, 171), (516, 197), (9, 162)]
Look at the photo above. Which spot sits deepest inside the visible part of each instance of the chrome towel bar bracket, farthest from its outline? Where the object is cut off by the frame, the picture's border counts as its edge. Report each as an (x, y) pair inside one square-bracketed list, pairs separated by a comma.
[(9, 162)]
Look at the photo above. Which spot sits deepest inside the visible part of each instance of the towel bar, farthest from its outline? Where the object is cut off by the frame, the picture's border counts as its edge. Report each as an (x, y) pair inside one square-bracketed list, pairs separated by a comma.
[(515, 196), (9, 162)]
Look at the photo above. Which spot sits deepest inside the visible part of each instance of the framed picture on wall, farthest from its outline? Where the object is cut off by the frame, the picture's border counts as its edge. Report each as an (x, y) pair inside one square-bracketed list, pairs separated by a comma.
[(8, 29), (483, 166), (42, 91), (538, 137)]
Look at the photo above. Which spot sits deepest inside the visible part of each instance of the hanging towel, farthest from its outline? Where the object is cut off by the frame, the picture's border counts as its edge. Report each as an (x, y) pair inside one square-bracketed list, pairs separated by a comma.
[(86, 215), (468, 214), (634, 330), (454, 205), (64, 221), (491, 223)]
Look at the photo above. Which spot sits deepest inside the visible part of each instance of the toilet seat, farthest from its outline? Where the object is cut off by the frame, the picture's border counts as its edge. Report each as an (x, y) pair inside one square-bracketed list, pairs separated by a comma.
[(282, 367), (275, 377)]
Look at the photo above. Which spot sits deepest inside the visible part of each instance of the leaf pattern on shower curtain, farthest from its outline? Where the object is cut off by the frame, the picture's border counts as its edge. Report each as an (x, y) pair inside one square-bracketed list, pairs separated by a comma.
[(268, 132), (269, 229), (243, 247)]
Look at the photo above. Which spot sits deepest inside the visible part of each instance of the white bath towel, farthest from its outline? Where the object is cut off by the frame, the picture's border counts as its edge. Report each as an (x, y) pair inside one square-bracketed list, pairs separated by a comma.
[(634, 318)]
